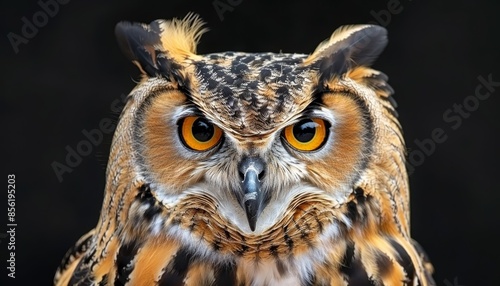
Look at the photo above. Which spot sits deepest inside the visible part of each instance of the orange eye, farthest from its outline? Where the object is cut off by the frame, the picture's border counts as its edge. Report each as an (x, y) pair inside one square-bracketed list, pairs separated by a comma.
[(199, 134), (307, 134)]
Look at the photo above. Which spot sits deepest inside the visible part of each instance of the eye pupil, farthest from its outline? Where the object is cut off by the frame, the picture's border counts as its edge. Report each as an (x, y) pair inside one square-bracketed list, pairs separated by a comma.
[(202, 130), (305, 130)]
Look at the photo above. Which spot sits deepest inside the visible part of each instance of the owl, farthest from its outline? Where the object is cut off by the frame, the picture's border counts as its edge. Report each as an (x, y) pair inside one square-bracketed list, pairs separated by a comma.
[(252, 169)]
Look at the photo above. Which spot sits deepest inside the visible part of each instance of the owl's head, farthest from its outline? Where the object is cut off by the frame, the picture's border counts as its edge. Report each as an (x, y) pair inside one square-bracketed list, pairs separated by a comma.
[(230, 147)]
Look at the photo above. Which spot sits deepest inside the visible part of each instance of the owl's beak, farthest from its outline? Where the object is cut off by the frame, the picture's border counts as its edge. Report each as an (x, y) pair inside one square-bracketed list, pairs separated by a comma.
[(252, 170)]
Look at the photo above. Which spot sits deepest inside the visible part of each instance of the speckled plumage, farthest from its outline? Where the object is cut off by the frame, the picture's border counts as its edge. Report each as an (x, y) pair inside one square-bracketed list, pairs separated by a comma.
[(269, 85), (255, 207)]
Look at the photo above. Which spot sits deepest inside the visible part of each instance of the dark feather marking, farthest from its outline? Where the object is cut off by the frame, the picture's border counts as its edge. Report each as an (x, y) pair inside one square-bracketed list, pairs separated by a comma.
[(403, 259), (352, 211), (176, 220), (357, 208), (253, 85), (146, 198), (104, 280), (358, 276), (335, 64), (176, 270), (347, 258), (274, 250), (281, 267), (227, 233), (379, 81), (144, 192), (391, 99), (392, 111), (303, 234), (216, 245), (353, 268), (124, 262), (89, 258), (282, 93), (229, 79), (225, 275), (248, 59), (320, 225), (82, 275), (264, 74), (244, 248), (359, 192), (227, 93), (239, 69), (288, 240), (214, 56), (384, 264), (212, 83), (170, 70)]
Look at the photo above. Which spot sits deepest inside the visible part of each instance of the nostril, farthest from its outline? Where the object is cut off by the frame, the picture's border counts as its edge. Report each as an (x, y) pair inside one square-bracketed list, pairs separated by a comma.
[(253, 164), (261, 175)]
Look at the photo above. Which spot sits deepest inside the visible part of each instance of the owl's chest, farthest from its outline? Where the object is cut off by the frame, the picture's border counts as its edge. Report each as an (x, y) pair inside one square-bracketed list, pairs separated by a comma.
[(269, 272), (186, 266)]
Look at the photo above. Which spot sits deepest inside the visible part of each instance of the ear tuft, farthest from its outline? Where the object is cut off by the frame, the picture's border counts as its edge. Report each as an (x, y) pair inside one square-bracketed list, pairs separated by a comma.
[(348, 47), (162, 45), (180, 37), (140, 43)]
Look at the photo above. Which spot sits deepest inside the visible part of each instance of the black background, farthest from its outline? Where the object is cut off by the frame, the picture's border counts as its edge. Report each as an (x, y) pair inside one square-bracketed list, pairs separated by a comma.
[(64, 80)]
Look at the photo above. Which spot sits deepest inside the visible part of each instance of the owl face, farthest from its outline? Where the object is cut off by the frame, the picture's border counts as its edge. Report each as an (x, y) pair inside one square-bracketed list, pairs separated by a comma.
[(255, 145), (238, 145)]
